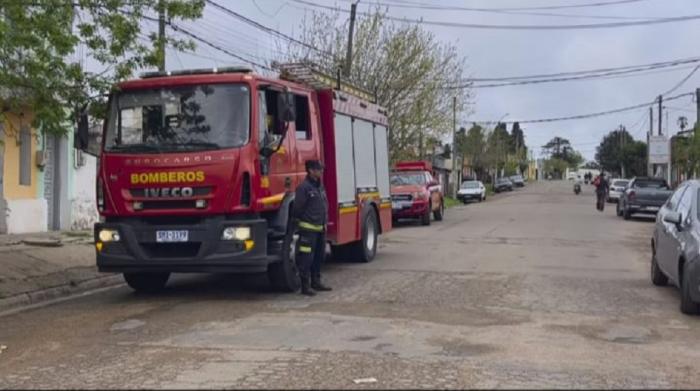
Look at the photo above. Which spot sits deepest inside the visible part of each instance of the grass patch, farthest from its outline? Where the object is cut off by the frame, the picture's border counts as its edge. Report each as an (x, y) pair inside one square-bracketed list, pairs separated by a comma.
[(450, 202)]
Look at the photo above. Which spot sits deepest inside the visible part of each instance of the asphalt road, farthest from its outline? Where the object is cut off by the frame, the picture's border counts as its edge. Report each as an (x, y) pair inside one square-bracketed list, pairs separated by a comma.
[(533, 288)]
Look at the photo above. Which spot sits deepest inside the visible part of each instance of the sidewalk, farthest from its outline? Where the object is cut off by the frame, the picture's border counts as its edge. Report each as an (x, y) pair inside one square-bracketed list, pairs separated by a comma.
[(46, 266)]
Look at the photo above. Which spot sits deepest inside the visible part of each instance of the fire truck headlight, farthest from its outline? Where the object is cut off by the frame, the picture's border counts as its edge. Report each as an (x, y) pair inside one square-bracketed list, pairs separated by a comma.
[(109, 235), (236, 233)]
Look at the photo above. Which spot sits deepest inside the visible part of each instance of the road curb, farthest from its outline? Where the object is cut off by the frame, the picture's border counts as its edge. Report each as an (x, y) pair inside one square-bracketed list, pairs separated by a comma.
[(70, 288)]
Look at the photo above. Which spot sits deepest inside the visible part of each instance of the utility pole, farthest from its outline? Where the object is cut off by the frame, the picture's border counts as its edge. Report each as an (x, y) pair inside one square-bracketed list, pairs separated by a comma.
[(348, 54), (661, 98), (454, 154), (161, 35), (697, 105)]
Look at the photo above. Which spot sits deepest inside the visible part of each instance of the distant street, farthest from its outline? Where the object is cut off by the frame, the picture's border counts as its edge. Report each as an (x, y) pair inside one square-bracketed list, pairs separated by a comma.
[(530, 289)]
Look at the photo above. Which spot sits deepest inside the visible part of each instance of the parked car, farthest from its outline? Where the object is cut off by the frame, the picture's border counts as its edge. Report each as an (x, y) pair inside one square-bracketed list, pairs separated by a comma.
[(471, 190), (675, 245), (617, 187), (517, 180), (502, 184), (643, 195), (415, 193)]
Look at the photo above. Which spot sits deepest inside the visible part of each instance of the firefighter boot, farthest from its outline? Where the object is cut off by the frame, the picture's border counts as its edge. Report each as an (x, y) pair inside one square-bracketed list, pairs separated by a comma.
[(317, 285), (306, 287)]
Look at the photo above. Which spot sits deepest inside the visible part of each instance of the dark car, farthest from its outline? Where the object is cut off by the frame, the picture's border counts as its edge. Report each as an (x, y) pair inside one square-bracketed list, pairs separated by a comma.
[(502, 184), (517, 180), (643, 195), (675, 245)]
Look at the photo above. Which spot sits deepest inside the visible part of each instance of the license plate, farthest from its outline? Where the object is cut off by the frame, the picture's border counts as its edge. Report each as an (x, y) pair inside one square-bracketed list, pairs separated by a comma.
[(172, 236), (652, 208), (395, 205)]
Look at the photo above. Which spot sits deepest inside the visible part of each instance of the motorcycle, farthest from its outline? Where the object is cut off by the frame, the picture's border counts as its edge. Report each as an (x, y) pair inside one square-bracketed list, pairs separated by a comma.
[(577, 188)]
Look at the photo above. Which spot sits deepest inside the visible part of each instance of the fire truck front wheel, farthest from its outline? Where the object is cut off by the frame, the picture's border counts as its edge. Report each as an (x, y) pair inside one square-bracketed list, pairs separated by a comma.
[(284, 275), (147, 282)]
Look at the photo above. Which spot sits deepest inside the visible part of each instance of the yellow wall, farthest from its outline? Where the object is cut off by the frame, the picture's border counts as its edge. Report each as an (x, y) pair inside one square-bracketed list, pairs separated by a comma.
[(11, 187)]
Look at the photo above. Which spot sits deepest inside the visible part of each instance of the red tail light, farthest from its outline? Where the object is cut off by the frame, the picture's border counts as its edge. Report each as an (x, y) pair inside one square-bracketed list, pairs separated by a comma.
[(631, 194)]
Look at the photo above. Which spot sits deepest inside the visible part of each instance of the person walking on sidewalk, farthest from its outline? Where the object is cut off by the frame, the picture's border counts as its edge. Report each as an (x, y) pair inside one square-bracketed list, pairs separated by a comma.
[(311, 215), (601, 190)]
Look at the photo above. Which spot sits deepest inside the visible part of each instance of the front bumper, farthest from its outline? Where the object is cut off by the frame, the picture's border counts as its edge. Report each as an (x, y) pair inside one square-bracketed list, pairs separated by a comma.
[(416, 208), (468, 196), (204, 252)]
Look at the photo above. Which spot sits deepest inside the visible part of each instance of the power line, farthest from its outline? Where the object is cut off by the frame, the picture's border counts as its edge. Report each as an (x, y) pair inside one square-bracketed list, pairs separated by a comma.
[(265, 28), (516, 26), (607, 75), (507, 11), (217, 47), (548, 75), (591, 115), (551, 7), (680, 83)]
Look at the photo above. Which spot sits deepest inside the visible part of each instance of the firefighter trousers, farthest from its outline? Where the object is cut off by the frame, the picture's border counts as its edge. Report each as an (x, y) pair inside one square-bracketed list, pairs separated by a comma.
[(310, 251)]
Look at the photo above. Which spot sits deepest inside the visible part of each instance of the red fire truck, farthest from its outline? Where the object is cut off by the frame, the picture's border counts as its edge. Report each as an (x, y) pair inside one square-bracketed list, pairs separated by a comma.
[(197, 172)]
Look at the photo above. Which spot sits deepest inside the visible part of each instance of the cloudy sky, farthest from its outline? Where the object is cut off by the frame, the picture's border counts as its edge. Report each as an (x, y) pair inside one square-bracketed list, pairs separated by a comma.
[(502, 53)]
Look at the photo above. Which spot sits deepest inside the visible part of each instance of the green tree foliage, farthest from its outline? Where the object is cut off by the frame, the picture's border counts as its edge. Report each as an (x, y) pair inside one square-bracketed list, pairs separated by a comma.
[(555, 167), (617, 149), (498, 146), (404, 64), (472, 144), (40, 41), (686, 152)]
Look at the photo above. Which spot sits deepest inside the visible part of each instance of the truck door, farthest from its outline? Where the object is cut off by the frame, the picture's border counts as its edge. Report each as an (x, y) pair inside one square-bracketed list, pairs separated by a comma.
[(283, 164), (306, 132)]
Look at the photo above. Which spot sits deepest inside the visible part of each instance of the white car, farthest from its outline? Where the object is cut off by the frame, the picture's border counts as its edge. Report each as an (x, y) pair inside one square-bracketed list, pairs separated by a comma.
[(471, 190), (617, 187)]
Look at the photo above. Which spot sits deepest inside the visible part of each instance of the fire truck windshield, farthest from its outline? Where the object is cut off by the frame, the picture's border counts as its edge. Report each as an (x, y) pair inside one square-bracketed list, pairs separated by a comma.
[(185, 118)]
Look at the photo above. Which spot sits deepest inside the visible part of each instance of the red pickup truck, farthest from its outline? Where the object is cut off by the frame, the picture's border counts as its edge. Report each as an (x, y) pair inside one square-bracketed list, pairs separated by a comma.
[(415, 193)]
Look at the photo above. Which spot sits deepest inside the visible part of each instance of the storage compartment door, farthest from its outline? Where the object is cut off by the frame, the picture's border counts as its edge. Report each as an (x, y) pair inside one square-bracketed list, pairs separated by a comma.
[(365, 167), (382, 161), (344, 158)]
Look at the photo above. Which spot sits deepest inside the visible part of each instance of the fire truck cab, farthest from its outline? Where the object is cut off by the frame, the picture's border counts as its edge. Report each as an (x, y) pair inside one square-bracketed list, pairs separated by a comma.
[(197, 172)]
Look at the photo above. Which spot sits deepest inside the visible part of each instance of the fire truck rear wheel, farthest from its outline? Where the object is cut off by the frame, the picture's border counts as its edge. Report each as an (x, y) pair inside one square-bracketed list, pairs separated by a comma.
[(284, 275), (147, 282), (366, 248)]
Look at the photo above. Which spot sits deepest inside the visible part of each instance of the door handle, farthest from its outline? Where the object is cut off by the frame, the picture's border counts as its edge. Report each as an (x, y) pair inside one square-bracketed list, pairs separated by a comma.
[(287, 182)]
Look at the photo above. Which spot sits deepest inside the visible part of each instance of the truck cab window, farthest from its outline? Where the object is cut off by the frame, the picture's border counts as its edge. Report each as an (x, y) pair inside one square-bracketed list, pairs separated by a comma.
[(302, 122), (273, 120)]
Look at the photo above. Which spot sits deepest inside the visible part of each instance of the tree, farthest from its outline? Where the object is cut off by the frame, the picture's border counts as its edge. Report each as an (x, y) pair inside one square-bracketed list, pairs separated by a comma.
[(618, 149), (473, 149), (556, 167), (519, 149), (558, 148), (498, 144), (403, 64), (39, 40)]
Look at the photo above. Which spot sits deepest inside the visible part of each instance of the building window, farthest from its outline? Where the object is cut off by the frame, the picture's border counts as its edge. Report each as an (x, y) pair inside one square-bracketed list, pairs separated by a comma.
[(25, 157)]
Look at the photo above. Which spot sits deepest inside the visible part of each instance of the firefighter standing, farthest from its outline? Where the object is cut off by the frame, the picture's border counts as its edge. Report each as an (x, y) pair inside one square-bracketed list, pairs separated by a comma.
[(311, 215)]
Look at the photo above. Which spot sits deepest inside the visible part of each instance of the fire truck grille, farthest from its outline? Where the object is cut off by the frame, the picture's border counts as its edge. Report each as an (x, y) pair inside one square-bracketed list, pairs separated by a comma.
[(171, 250), (174, 204)]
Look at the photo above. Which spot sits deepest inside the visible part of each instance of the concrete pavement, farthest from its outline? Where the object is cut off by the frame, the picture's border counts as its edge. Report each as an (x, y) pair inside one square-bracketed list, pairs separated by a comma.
[(532, 289), (40, 267)]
